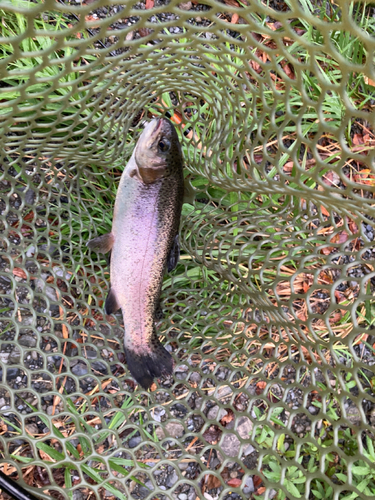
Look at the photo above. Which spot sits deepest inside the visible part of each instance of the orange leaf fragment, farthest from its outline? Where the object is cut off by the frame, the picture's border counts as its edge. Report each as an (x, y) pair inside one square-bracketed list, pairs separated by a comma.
[(340, 237), (234, 482), (358, 139), (149, 4), (17, 271), (324, 210), (234, 20)]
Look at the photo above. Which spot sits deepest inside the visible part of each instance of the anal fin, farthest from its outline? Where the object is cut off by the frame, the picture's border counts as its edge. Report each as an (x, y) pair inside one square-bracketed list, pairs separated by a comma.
[(102, 244), (111, 304)]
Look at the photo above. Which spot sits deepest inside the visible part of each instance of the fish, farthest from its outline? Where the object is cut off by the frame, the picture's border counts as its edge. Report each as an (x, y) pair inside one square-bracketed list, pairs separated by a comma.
[(144, 244)]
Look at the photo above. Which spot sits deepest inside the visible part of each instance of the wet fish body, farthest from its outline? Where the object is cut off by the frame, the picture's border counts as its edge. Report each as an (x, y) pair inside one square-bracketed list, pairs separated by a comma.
[(144, 242)]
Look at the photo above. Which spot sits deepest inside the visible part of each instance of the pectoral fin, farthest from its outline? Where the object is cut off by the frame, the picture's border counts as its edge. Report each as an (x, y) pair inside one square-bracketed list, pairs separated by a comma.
[(111, 303), (102, 244), (174, 255)]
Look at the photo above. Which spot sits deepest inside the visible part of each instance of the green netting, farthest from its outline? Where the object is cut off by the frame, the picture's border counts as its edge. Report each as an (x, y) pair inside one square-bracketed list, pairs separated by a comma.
[(270, 310)]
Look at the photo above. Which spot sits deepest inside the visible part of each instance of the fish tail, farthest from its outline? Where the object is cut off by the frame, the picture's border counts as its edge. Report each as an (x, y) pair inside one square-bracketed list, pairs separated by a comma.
[(149, 363)]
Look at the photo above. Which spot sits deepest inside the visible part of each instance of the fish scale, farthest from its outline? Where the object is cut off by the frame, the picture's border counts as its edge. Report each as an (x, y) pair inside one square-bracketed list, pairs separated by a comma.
[(144, 243)]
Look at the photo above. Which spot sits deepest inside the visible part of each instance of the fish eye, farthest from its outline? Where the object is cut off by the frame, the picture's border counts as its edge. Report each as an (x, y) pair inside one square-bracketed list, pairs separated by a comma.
[(164, 145)]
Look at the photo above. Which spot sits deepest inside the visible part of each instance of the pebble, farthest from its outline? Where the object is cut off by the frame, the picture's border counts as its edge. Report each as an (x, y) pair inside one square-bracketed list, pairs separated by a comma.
[(249, 486), (98, 366), (30, 251), (12, 373), (171, 479), (61, 273), (195, 377), (248, 450), (79, 369), (4, 357), (157, 414), (182, 496), (214, 411), (185, 5), (174, 429), (353, 415), (27, 340), (230, 445), (244, 427), (135, 441)]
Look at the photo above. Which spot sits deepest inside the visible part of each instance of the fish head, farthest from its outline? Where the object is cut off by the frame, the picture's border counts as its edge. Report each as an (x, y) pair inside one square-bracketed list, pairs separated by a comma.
[(158, 151)]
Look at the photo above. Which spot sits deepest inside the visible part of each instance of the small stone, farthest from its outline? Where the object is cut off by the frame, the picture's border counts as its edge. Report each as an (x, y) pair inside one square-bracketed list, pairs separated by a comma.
[(249, 486), (50, 410), (159, 433), (174, 429), (171, 479), (4, 357), (195, 377), (353, 415), (2, 403), (214, 411), (27, 340), (79, 370), (244, 427), (98, 366), (12, 373), (182, 496), (158, 413), (32, 428), (135, 441), (185, 5), (30, 251), (78, 495), (61, 273), (230, 445), (248, 450)]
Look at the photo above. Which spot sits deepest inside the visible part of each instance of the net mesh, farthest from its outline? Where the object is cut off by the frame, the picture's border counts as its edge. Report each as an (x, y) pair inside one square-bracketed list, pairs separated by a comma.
[(270, 310)]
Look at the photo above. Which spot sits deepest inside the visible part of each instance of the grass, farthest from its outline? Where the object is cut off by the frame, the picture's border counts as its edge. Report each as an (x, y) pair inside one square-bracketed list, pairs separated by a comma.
[(260, 243)]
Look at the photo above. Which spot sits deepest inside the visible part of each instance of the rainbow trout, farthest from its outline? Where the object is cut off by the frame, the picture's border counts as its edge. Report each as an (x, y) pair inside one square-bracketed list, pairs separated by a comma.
[(144, 243)]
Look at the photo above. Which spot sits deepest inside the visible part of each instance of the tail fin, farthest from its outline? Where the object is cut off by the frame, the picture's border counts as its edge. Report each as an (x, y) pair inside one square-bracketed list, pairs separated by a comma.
[(151, 364)]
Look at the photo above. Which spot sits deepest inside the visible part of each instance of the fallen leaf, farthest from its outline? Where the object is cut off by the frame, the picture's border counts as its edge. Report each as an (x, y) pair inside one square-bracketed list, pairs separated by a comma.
[(274, 26), (327, 250), (341, 237), (331, 178), (150, 4), (212, 434), (212, 482), (368, 81), (365, 176), (261, 385), (145, 31), (358, 139), (17, 271), (257, 481), (235, 18), (92, 19), (227, 418), (340, 297), (256, 66), (289, 71), (324, 210), (352, 226), (235, 482)]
